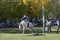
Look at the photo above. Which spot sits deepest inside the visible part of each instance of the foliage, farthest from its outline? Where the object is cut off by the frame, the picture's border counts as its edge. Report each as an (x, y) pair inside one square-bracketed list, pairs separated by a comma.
[(16, 9)]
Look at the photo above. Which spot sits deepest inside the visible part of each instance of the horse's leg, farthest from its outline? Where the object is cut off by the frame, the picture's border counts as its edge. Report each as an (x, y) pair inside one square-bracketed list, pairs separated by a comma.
[(32, 29), (23, 30), (49, 28), (35, 30), (58, 29), (20, 27)]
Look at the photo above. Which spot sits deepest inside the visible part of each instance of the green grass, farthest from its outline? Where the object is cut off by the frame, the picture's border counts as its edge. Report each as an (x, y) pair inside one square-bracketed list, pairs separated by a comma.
[(29, 37), (15, 34)]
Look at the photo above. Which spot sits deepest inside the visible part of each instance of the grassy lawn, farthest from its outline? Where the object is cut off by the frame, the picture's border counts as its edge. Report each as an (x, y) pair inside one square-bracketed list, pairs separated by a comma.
[(15, 34)]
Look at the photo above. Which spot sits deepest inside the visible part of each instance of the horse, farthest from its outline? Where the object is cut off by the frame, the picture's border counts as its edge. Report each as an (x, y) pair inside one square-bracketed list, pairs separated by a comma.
[(24, 24), (58, 25), (49, 23)]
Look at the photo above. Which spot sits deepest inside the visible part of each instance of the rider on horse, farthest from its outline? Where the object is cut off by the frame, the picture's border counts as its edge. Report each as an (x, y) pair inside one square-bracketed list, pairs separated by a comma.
[(25, 17)]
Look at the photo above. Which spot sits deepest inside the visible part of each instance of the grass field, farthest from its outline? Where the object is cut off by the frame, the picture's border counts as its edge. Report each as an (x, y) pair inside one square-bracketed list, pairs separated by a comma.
[(15, 34)]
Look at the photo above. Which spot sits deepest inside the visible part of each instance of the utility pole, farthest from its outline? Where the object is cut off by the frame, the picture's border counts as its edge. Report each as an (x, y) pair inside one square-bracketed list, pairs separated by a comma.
[(22, 8), (43, 9)]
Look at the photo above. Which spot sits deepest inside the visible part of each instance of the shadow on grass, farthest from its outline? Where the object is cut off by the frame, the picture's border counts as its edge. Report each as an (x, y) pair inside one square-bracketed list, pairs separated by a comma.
[(39, 34)]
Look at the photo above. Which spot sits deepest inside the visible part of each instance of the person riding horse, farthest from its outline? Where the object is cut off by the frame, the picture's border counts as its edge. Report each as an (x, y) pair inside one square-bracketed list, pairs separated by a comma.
[(25, 17), (25, 23)]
